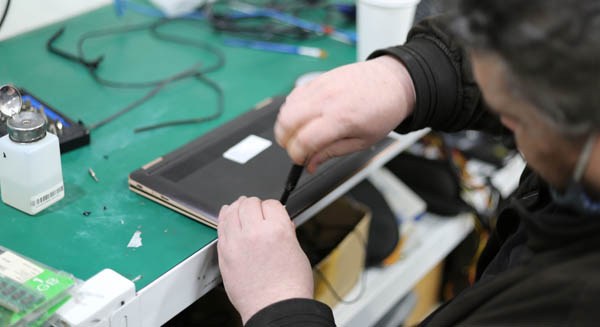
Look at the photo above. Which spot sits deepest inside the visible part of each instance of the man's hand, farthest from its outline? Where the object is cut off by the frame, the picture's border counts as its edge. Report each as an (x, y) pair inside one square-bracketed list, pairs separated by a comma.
[(259, 256), (345, 110)]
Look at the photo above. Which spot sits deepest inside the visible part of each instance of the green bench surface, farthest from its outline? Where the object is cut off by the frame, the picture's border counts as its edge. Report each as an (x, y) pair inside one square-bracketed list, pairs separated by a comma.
[(61, 236)]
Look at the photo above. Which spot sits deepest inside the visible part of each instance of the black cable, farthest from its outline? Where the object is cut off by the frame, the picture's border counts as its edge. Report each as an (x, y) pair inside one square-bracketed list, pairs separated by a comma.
[(199, 75), (50, 47), (157, 85), (153, 28), (146, 97), (185, 41), (220, 109), (271, 29), (5, 12), (108, 32)]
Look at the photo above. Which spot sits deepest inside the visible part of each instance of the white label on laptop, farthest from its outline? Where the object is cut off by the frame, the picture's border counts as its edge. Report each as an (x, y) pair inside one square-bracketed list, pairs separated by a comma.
[(247, 149)]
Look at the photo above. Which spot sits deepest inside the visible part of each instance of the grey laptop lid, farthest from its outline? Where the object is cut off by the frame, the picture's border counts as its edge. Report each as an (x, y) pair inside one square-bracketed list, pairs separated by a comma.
[(234, 160)]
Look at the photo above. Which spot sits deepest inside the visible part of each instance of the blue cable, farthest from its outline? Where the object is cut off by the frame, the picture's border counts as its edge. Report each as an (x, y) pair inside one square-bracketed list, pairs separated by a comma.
[(350, 37)]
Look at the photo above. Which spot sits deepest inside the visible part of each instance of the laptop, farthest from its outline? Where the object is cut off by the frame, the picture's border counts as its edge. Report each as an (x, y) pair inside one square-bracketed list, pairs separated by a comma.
[(239, 158)]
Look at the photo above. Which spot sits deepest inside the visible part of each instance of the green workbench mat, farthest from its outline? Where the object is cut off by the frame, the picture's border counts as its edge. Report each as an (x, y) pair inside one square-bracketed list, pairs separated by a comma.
[(64, 238)]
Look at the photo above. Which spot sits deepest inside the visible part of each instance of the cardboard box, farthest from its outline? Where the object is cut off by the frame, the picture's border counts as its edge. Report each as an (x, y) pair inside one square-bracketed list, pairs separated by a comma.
[(335, 239), (428, 295)]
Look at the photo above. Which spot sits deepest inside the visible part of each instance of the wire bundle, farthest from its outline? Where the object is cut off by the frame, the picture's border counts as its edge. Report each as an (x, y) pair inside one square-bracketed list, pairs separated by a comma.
[(195, 71), (271, 20)]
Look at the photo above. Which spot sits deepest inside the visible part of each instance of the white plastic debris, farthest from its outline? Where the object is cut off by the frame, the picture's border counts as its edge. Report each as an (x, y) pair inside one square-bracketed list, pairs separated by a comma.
[(175, 8), (136, 240)]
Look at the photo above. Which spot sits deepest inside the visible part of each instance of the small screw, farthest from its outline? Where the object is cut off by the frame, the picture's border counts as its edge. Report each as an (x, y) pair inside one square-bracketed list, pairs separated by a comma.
[(93, 174)]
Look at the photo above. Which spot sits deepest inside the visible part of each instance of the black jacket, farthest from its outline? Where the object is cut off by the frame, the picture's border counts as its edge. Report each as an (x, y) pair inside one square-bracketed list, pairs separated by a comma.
[(541, 266)]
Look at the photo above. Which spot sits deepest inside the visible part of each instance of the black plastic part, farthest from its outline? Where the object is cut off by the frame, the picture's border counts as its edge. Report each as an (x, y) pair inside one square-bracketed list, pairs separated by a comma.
[(433, 180), (384, 232), (72, 137)]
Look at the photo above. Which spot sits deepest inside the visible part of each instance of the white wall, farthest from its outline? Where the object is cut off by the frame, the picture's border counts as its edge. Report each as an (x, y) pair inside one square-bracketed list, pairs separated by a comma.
[(27, 15)]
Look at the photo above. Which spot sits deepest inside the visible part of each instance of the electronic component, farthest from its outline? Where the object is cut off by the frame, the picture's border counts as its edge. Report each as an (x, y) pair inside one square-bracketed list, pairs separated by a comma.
[(16, 297), (30, 292), (71, 135)]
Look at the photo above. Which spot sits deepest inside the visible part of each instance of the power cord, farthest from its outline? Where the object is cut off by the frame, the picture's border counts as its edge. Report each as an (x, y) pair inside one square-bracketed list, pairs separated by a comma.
[(150, 94), (217, 114), (153, 27)]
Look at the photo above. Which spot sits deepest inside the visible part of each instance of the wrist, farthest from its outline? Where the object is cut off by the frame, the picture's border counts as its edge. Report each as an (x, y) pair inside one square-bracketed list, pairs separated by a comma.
[(396, 72)]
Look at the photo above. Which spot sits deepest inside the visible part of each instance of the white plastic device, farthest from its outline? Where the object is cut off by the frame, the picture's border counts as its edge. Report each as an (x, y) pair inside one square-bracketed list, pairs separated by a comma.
[(96, 300), (382, 23)]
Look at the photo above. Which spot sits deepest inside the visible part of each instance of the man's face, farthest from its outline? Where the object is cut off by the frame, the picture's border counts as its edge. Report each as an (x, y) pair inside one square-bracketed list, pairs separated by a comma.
[(550, 153)]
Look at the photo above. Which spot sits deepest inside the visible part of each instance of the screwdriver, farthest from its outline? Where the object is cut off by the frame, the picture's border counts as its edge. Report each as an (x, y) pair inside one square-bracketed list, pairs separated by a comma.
[(291, 182)]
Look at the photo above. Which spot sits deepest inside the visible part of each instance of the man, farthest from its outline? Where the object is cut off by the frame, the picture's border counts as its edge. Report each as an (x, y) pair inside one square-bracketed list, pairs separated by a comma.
[(535, 66)]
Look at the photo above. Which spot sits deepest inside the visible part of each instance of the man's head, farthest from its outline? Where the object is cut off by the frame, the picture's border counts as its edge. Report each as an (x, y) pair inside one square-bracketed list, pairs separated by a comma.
[(538, 66)]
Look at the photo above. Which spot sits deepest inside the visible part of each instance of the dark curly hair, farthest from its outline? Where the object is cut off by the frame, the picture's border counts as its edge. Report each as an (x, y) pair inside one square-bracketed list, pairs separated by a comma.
[(552, 49)]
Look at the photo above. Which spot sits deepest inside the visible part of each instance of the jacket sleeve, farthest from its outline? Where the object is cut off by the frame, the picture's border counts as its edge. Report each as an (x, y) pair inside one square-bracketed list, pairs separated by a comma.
[(447, 97), (293, 313)]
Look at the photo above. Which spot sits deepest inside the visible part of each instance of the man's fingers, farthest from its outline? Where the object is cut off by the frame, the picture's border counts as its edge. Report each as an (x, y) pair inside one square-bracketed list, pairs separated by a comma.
[(313, 138), (291, 118), (232, 214), (222, 213), (274, 212), (336, 149), (251, 212), (281, 134), (221, 222)]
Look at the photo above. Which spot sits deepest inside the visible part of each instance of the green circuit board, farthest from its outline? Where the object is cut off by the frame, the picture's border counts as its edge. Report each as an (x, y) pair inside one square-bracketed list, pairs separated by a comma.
[(28, 290)]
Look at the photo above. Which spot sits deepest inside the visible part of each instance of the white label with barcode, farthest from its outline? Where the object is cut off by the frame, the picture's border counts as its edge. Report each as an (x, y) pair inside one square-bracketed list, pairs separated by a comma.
[(43, 198)]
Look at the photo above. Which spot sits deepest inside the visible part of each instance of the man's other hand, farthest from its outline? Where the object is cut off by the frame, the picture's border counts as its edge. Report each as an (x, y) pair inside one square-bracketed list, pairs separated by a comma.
[(259, 256), (344, 110)]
